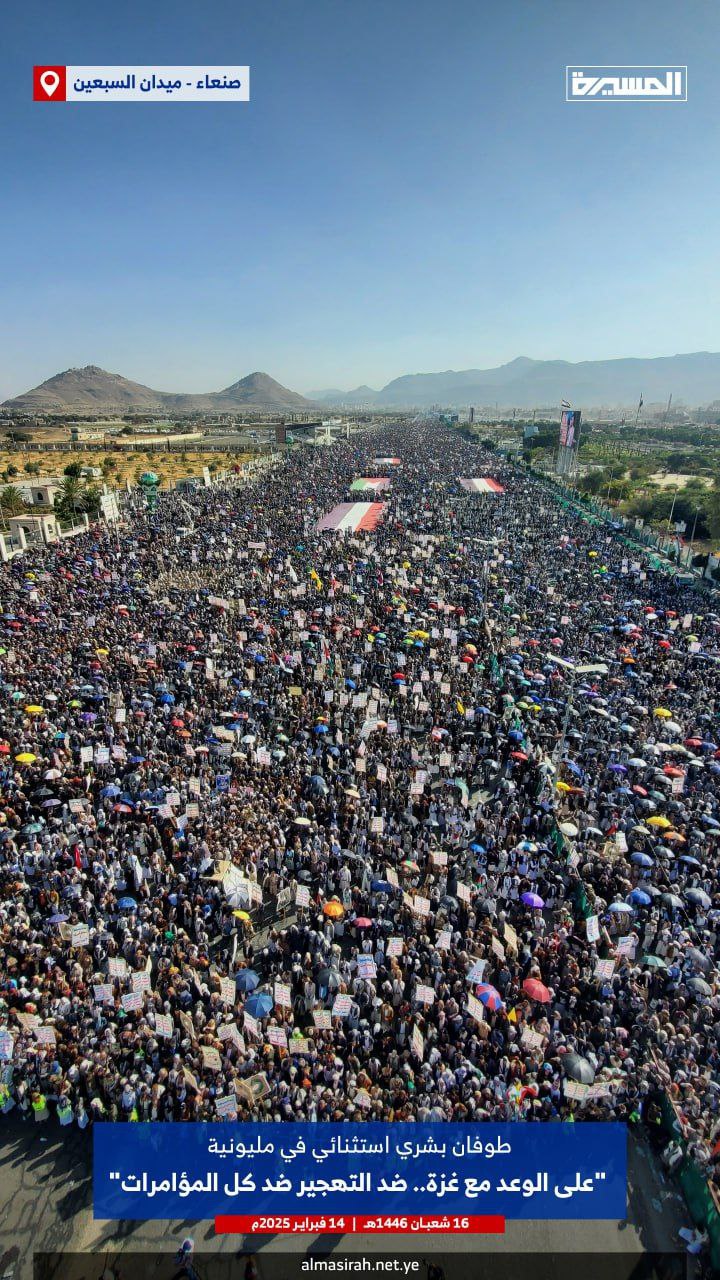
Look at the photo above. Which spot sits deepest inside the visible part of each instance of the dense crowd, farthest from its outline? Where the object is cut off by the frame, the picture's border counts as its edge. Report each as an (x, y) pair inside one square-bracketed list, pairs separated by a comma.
[(324, 826)]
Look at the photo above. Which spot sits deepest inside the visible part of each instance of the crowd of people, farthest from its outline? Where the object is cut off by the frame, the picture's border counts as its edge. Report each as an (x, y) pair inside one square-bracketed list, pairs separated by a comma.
[(421, 823)]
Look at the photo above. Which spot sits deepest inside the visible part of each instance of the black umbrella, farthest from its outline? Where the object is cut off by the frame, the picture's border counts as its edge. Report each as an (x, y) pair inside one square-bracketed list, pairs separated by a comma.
[(577, 1068), (330, 978), (699, 986)]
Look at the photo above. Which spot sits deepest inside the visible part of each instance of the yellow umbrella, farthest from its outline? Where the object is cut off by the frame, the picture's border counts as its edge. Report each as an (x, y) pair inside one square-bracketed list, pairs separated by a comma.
[(659, 821), (562, 786), (592, 555), (335, 910), (26, 757), (102, 653), (34, 710), (241, 915), (662, 713)]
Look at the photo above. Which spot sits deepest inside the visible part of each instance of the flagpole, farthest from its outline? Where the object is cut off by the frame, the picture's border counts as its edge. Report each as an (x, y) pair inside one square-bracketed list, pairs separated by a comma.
[(640, 405)]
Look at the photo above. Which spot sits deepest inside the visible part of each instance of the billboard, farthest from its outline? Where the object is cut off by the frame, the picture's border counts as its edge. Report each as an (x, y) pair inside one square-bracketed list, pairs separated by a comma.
[(570, 428)]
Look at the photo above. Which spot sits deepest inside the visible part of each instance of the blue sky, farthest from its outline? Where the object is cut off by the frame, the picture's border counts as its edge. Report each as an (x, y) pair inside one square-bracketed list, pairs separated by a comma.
[(406, 191)]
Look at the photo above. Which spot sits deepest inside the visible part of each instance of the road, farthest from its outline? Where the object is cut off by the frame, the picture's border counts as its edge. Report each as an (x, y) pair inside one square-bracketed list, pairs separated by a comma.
[(46, 1205)]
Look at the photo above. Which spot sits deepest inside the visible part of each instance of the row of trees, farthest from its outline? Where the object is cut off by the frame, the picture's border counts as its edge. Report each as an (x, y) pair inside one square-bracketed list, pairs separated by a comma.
[(73, 500), (697, 504)]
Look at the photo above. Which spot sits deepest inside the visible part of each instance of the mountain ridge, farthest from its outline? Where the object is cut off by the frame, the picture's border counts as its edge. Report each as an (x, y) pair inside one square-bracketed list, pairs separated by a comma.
[(94, 390), (527, 383)]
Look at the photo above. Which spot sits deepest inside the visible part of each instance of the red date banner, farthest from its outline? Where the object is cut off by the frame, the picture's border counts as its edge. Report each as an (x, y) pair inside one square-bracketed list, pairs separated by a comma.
[(354, 1224)]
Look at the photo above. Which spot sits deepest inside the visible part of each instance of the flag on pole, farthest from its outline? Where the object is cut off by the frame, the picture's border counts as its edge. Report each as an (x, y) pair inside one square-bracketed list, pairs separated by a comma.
[(564, 404)]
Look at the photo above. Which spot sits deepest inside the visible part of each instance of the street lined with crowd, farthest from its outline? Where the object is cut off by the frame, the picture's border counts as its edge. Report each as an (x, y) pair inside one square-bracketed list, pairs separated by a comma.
[(422, 823)]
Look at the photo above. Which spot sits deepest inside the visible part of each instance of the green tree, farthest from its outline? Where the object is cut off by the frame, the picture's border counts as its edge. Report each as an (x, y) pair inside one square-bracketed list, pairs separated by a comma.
[(68, 501), (12, 502), (90, 499), (73, 470), (712, 510)]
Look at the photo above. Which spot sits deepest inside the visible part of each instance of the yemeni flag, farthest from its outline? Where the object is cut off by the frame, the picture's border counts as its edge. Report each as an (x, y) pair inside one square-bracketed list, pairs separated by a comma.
[(353, 517), (482, 484), (371, 484)]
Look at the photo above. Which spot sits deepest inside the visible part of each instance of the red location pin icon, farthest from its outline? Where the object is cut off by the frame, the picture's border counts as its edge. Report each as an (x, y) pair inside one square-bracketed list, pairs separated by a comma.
[(49, 84)]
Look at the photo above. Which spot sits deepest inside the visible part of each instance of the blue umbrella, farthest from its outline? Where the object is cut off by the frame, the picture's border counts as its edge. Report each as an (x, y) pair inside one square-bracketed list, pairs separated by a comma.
[(477, 847), (59, 918), (112, 790), (381, 886), (620, 909), (641, 859), (246, 980), (259, 1005), (127, 904), (640, 898), (320, 728), (573, 767)]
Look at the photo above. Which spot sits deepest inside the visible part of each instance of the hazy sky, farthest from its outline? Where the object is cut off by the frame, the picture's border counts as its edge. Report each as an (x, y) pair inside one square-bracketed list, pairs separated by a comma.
[(407, 191)]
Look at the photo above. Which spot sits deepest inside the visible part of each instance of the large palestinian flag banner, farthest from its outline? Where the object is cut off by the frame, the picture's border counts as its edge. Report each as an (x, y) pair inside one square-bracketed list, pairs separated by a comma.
[(355, 517), (374, 484), (482, 484), (387, 462)]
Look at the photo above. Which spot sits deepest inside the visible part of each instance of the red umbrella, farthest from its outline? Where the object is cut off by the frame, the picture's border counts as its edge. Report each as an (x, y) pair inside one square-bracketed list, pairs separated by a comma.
[(362, 922), (639, 791), (536, 990), (519, 755)]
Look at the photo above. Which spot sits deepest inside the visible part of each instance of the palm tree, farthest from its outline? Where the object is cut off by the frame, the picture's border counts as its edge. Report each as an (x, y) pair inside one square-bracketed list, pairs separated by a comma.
[(69, 500), (12, 502)]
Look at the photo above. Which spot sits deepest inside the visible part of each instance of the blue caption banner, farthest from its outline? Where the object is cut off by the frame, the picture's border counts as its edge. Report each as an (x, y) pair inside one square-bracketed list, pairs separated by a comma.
[(522, 1171)]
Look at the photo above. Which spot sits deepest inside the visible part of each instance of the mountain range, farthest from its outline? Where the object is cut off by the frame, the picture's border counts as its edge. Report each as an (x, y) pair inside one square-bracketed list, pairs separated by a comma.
[(92, 390), (524, 383)]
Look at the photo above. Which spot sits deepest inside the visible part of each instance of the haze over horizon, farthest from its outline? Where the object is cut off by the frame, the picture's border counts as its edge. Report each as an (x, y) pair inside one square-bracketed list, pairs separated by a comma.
[(404, 193)]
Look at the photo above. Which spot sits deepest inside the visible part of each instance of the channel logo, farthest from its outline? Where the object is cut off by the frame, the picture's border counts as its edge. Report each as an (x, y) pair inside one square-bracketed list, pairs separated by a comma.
[(625, 84)]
